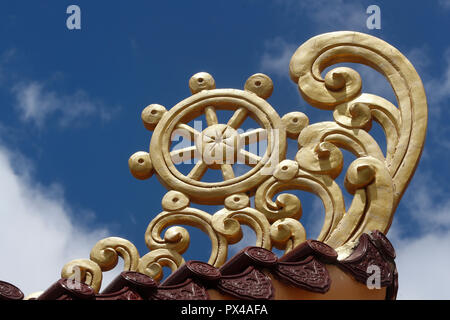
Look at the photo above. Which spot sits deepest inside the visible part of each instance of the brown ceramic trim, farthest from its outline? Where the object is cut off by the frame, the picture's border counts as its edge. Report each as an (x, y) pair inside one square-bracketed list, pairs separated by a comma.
[(245, 268), (303, 267), (67, 289), (320, 250), (187, 290), (373, 249), (201, 272), (129, 284), (251, 284), (9, 292), (122, 294), (310, 274)]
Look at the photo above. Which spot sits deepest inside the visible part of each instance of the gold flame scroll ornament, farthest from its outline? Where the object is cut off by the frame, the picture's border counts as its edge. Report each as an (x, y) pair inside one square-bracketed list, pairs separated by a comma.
[(377, 181)]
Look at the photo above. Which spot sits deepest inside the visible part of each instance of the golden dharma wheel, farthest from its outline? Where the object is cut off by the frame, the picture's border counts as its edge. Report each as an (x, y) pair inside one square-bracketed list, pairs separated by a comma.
[(219, 145)]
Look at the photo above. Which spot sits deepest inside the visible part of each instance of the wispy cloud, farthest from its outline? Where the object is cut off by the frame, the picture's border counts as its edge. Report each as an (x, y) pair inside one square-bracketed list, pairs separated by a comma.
[(428, 207), (423, 266), (439, 87), (325, 16), (423, 260), (39, 233), (276, 57), (36, 103)]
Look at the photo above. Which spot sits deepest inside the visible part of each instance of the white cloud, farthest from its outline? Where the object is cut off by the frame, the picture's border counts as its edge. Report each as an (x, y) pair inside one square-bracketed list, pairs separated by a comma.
[(437, 85), (39, 231), (429, 206), (419, 57), (438, 88), (276, 57), (37, 104), (423, 258), (423, 265)]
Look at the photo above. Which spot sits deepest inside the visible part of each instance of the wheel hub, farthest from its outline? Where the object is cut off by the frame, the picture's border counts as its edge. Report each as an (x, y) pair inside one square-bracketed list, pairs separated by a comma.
[(218, 144)]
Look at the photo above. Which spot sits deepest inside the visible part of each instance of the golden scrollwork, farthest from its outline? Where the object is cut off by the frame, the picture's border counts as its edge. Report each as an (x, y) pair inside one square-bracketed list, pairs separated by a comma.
[(153, 262), (84, 270), (257, 198), (106, 252), (287, 233)]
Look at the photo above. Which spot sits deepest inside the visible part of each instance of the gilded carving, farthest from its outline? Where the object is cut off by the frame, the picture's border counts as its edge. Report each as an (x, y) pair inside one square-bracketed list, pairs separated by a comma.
[(376, 180)]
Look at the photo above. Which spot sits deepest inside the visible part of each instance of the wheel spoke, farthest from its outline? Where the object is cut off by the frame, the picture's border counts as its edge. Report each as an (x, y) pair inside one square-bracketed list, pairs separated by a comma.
[(248, 158), (184, 154), (211, 116), (198, 171), (254, 136), (227, 171), (238, 118), (186, 131)]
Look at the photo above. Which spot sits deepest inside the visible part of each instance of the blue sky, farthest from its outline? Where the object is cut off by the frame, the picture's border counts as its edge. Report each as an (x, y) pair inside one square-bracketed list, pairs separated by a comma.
[(71, 103)]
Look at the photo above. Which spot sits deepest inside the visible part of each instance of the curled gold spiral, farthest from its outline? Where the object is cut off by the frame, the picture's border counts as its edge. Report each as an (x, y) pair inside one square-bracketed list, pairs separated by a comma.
[(287, 233), (153, 262), (321, 158), (107, 251), (177, 238), (339, 85), (372, 207), (353, 115), (88, 272), (357, 141), (228, 223), (287, 205), (359, 113)]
